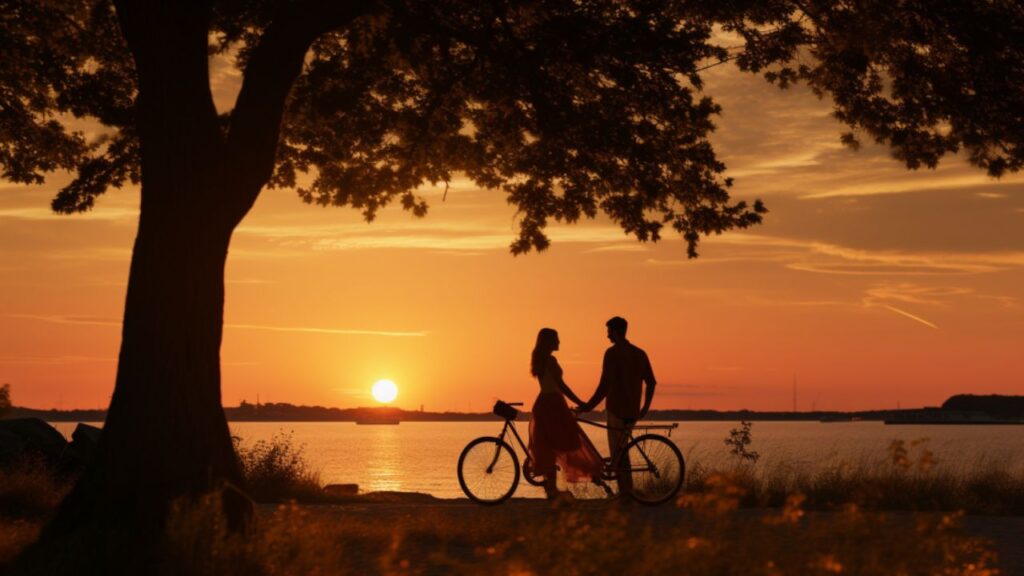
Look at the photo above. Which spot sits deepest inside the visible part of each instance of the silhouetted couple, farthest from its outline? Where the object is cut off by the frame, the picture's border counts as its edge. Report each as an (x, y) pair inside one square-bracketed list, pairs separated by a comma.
[(556, 439)]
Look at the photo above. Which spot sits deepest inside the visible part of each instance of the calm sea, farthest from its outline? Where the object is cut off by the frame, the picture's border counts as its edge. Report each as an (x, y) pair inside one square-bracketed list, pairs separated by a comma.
[(422, 456)]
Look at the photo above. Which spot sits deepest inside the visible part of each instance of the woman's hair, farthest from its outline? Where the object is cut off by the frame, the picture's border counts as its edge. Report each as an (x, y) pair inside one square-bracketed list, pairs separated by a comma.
[(546, 339)]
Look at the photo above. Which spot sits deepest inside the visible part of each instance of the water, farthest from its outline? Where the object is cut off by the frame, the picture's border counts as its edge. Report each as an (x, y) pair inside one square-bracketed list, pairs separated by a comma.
[(422, 456)]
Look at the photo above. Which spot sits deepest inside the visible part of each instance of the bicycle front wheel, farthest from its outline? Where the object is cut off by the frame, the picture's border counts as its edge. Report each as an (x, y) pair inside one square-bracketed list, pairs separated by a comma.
[(488, 470), (656, 468)]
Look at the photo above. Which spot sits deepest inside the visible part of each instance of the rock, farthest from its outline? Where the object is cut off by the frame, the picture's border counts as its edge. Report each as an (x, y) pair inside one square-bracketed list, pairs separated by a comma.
[(29, 438), (342, 489), (80, 449)]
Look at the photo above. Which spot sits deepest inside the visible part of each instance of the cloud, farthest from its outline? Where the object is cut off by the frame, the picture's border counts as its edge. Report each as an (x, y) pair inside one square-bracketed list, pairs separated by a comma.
[(692, 390), (914, 294), (337, 331), (828, 258), (913, 183), (54, 360), (99, 321), (61, 319), (906, 314), (255, 281), (42, 213), (895, 297), (440, 236)]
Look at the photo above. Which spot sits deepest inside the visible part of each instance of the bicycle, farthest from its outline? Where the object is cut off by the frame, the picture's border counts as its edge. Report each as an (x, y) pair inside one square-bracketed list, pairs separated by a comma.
[(489, 469)]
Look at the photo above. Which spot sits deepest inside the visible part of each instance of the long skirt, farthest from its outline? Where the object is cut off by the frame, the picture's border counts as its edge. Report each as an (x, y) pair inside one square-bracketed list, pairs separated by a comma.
[(557, 439)]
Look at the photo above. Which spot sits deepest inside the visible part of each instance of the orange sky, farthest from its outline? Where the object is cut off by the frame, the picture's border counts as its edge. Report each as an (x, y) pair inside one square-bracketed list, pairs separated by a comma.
[(872, 284)]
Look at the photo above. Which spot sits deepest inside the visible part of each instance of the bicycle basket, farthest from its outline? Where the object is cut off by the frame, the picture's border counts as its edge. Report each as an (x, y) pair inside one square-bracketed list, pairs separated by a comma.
[(505, 410)]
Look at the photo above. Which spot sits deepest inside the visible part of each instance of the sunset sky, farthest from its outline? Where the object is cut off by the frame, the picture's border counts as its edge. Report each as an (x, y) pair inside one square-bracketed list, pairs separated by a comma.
[(872, 285)]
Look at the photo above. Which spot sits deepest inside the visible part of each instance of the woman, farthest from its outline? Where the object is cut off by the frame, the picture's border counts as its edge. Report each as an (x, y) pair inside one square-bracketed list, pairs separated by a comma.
[(555, 437)]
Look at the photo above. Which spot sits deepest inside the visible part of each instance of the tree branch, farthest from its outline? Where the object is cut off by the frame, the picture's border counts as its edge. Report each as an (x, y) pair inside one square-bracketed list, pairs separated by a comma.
[(273, 66)]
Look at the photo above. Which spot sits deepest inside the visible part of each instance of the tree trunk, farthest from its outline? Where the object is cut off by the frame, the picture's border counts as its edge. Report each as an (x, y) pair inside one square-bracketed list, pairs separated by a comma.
[(166, 436)]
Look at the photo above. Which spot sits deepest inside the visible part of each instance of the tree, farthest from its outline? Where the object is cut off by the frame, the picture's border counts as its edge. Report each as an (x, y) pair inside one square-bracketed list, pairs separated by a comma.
[(5, 399), (570, 108)]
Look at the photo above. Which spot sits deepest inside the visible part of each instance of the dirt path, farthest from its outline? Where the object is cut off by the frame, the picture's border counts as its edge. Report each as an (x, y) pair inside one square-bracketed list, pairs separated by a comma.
[(1006, 533)]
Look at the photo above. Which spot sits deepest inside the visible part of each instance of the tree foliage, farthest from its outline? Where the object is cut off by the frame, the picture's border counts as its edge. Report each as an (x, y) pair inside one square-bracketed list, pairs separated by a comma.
[(571, 108), (926, 78)]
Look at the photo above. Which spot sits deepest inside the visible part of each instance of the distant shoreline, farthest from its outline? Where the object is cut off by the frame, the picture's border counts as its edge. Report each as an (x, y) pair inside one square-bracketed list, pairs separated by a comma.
[(959, 409), (291, 413)]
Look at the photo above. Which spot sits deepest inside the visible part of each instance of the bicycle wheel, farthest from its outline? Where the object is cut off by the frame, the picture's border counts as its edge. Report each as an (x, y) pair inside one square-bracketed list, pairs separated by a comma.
[(656, 467), (488, 470)]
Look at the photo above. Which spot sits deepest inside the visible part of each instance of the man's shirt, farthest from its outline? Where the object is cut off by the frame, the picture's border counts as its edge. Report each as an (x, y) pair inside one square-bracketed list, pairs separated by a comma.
[(625, 369)]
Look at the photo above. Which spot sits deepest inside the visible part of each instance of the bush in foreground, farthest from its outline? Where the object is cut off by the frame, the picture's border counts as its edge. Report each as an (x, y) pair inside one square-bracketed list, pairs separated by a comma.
[(29, 489), (29, 493), (276, 470)]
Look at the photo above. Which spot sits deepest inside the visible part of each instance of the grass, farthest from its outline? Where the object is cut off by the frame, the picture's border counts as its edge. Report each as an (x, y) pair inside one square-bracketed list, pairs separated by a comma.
[(908, 477), (714, 537)]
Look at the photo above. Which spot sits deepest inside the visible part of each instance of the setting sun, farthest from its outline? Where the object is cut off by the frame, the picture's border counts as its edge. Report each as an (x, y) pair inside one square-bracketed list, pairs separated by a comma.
[(384, 391)]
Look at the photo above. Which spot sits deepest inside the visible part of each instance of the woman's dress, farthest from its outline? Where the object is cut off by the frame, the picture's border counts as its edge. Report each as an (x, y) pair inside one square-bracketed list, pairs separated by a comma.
[(555, 436)]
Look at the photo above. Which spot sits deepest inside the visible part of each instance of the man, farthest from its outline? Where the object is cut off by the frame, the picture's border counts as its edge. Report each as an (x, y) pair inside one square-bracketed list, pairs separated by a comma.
[(625, 368)]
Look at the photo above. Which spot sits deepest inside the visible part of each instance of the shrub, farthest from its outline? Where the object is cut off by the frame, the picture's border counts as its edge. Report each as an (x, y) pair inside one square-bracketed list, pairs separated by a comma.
[(276, 470), (29, 489)]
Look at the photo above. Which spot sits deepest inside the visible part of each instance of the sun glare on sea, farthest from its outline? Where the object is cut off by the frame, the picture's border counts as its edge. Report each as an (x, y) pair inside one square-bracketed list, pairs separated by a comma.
[(384, 391)]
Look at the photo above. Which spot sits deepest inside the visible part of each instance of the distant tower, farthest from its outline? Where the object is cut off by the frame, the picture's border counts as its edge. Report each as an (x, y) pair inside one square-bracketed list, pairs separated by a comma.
[(794, 392), (421, 407)]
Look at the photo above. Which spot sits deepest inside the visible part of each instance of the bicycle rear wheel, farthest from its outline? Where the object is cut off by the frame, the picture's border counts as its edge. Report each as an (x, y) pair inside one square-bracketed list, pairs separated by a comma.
[(488, 470), (656, 467)]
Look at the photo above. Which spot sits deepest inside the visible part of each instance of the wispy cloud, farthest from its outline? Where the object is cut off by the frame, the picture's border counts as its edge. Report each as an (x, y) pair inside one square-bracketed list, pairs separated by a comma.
[(61, 319), (55, 360), (440, 236), (42, 213), (98, 321), (895, 297), (900, 184), (692, 390), (906, 314), (828, 258), (255, 281), (337, 331), (914, 294)]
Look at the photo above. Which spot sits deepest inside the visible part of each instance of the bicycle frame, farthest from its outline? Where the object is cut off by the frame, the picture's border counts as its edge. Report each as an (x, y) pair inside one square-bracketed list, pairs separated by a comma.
[(610, 472), (646, 450), (510, 425)]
